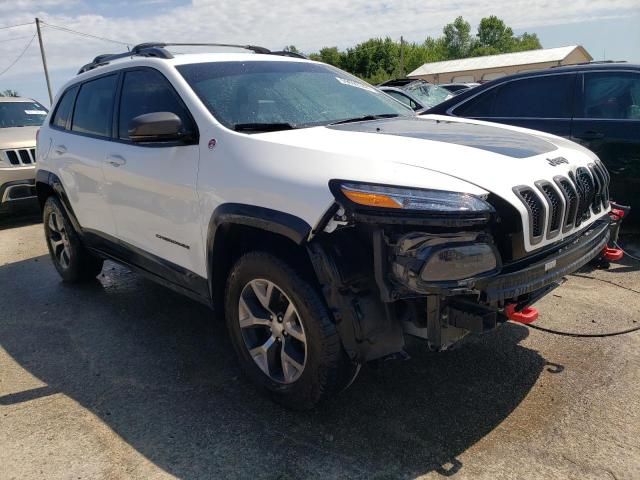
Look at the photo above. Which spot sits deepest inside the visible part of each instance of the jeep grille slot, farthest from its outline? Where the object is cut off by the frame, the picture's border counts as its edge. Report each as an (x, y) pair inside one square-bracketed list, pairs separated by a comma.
[(571, 200), (597, 198), (21, 156), (536, 209), (586, 193), (603, 176), (555, 207)]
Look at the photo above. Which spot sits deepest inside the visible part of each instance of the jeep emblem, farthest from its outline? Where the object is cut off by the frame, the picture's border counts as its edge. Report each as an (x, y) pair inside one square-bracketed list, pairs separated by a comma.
[(554, 162)]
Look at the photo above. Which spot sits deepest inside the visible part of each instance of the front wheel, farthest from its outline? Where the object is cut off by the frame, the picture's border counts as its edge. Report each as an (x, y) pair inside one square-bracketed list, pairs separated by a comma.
[(283, 333)]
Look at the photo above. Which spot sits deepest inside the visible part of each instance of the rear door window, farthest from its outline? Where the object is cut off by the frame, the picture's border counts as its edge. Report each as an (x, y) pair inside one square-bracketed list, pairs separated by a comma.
[(94, 106), (611, 95), (64, 108), (544, 97)]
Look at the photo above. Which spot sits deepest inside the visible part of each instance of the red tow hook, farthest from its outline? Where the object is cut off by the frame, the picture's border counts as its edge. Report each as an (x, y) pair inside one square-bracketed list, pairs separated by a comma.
[(612, 254), (526, 315), (616, 214)]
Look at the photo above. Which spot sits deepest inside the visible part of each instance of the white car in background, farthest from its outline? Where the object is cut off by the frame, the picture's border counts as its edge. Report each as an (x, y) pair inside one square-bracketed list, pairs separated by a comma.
[(320, 216), (20, 119)]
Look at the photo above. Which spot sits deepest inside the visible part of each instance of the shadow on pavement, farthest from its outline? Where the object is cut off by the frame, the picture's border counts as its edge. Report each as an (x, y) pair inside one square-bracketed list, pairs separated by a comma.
[(20, 217), (161, 373)]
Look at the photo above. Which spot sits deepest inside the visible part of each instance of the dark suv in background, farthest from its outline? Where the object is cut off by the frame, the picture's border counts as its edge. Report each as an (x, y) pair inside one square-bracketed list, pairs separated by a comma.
[(596, 105)]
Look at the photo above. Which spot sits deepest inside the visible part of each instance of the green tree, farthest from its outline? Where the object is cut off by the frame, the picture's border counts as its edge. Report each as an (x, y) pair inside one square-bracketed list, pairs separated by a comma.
[(457, 38), (378, 59), (330, 55), (494, 34), (375, 58), (9, 93), (526, 41), (292, 49)]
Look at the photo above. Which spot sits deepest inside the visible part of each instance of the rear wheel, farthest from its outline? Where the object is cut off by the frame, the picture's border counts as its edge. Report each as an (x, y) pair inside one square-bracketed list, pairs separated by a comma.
[(283, 333), (72, 260)]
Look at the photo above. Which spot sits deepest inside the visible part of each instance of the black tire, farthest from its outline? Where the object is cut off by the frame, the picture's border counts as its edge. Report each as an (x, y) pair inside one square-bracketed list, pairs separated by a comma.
[(327, 369), (72, 260)]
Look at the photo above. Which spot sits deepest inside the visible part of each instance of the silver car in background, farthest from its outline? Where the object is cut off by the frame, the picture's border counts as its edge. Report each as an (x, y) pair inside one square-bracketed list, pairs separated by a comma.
[(20, 119)]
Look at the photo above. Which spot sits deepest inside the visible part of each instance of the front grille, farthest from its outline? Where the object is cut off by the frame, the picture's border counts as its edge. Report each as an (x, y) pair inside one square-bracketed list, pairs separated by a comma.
[(21, 156), (575, 199)]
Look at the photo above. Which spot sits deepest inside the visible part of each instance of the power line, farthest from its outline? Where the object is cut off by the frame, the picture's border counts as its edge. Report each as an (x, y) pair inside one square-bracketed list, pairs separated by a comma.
[(18, 25), (83, 34), (19, 56), (2, 40)]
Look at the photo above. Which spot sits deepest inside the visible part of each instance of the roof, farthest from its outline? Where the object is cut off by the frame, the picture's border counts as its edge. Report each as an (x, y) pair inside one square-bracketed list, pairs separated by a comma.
[(497, 61), (15, 99)]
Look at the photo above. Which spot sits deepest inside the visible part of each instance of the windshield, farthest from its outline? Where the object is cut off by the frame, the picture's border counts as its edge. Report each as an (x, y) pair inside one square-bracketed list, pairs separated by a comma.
[(429, 95), (290, 94), (21, 114)]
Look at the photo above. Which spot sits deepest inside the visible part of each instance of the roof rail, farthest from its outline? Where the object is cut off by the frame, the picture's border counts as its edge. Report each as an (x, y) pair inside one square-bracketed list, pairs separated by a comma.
[(593, 62), (104, 59), (253, 48), (158, 50), (287, 53)]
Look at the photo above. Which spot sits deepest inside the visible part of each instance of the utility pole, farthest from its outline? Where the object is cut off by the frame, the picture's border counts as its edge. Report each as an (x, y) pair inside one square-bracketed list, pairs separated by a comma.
[(44, 61), (401, 56)]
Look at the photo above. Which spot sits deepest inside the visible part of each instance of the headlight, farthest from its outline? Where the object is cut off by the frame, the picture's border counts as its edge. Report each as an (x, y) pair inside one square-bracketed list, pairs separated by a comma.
[(411, 199), (457, 262)]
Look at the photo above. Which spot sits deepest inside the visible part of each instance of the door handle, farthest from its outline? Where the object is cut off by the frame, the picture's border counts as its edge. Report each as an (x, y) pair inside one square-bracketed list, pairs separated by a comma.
[(60, 149), (116, 160), (590, 135)]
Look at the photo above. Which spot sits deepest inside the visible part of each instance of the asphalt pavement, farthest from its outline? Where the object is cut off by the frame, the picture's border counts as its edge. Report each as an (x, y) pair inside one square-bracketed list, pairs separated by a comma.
[(122, 378)]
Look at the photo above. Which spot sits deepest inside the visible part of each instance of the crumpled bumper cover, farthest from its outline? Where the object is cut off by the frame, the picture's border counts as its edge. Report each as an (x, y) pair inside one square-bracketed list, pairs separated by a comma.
[(506, 282), (551, 268)]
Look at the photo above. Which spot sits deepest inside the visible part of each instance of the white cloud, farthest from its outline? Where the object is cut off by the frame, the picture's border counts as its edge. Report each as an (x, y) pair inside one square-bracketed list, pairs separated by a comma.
[(308, 24)]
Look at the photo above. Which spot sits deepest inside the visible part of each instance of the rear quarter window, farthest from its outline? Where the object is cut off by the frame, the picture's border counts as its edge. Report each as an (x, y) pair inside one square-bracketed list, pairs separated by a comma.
[(64, 108), (611, 95)]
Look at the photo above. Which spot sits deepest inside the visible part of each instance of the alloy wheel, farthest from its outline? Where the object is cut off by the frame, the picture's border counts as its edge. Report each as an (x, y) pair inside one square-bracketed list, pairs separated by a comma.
[(59, 240), (272, 331)]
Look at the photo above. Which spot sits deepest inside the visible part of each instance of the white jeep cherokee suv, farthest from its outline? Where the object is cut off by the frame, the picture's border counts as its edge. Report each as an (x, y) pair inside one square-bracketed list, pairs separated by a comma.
[(319, 215)]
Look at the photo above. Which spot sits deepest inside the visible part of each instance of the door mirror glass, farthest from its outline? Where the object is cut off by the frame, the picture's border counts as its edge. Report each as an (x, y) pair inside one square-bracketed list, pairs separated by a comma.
[(156, 127)]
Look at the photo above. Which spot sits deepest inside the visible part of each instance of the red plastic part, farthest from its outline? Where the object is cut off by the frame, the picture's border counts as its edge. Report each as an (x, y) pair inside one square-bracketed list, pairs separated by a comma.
[(526, 315), (612, 254), (617, 212)]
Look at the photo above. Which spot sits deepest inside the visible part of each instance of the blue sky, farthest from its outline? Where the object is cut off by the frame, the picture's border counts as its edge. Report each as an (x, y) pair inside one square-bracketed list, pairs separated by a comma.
[(606, 28)]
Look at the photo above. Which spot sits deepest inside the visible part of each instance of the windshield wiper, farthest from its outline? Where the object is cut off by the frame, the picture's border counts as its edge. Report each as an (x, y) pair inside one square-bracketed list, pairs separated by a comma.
[(366, 118), (262, 127)]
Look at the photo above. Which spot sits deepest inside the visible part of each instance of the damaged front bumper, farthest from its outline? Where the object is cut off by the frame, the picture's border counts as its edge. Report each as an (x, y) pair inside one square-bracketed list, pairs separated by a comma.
[(413, 254)]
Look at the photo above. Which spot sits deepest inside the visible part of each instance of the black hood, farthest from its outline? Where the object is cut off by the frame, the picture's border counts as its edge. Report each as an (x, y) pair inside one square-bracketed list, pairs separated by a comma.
[(493, 139)]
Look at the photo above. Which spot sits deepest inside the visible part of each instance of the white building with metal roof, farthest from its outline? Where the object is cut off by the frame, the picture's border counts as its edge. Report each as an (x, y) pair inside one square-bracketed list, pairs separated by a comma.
[(485, 68)]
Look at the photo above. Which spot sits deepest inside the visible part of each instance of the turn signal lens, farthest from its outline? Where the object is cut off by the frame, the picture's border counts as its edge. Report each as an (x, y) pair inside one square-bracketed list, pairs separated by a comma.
[(371, 199), (412, 199)]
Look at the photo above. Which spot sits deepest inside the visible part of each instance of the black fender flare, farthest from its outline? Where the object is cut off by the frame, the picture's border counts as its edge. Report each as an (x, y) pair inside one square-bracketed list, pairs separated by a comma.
[(53, 182), (274, 221)]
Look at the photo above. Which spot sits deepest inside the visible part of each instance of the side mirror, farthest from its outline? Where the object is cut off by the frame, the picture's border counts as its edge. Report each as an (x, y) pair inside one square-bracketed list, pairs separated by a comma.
[(157, 127)]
